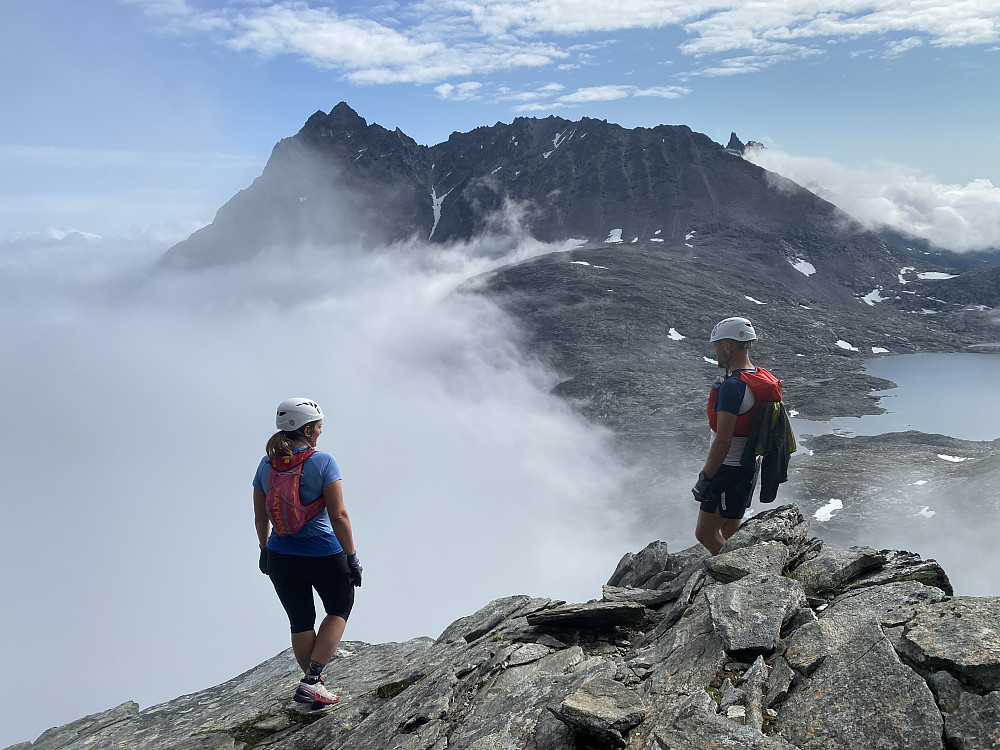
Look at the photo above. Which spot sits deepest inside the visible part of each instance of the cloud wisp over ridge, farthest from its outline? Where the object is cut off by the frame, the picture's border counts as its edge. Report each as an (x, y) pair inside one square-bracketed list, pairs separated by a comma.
[(956, 217)]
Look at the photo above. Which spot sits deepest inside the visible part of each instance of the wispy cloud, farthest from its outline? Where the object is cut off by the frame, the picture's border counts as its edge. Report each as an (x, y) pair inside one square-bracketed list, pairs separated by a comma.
[(433, 41), (84, 158), (458, 92), (957, 217)]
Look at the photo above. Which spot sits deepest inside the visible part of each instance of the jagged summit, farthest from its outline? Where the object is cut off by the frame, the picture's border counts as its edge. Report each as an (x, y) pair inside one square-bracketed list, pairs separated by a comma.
[(341, 179), (779, 643)]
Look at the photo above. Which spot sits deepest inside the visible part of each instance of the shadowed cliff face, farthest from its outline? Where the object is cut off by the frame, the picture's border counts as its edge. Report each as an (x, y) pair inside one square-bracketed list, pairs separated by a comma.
[(779, 643), (341, 180)]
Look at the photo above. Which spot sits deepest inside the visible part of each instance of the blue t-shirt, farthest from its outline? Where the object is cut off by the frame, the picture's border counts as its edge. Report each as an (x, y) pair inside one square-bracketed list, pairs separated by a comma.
[(316, 538)]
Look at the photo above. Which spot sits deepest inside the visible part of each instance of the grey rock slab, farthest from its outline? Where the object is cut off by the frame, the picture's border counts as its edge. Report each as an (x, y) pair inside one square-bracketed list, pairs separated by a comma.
[(691, 650), (748, 614), (833, 569), (102, 729), (783, 524), (961, 635), (901, 565), (857, 693), (766, 557), (697, 731), (528, 653), (649, 562), (892, 604), (651, 598), (602, 709), (975, 723), (478, 624), (947, 689), (590, 615)]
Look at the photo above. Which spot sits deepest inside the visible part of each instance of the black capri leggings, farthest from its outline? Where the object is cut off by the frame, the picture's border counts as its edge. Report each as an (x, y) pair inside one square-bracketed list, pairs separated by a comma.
[(295, 576)]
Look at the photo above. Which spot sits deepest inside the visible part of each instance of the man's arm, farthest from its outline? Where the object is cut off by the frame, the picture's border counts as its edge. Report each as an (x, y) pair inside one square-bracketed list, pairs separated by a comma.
[(720, 446)]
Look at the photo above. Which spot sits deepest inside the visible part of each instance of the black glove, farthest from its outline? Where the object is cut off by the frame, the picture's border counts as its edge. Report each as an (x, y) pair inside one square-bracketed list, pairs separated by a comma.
[(262, 563), (354, 570), (700, 489)]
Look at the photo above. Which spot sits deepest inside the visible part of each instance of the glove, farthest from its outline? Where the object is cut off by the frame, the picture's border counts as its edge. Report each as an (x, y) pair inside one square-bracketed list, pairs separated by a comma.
[(262, 563), (700, 489), (354, 570)]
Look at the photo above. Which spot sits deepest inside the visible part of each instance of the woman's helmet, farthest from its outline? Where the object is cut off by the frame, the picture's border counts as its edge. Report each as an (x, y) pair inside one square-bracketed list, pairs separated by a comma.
[(293, 413), (738, 329)]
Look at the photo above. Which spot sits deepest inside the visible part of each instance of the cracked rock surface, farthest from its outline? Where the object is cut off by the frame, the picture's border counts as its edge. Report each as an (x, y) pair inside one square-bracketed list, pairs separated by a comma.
[(876, 657)]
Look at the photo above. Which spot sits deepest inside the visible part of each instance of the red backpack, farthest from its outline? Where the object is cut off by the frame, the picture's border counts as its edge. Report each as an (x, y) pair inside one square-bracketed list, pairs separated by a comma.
[(287, 512)]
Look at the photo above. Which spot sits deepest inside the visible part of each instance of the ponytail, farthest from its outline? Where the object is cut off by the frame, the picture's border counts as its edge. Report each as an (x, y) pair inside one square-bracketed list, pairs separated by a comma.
[(282, 443)]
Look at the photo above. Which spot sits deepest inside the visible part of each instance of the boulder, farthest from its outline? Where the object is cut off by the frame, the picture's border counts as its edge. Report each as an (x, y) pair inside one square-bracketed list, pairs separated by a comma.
[(905, 566), (856, 692), (783, 524), (591, 615), (636, 570), (959, 635), (748, 614), (832, 569), (603, 710), (766, 557), (975, 722)]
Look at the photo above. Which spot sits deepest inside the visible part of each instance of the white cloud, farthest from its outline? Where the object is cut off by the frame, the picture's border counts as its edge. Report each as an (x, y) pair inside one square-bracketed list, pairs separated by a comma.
[(597, 94), (432, 414), (663, 92), (87, 158), (436, 40), (896, 49), (957, 217), (458, 93)]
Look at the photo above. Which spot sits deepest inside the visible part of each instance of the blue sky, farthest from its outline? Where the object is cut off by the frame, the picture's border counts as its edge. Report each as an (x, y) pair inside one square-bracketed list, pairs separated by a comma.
[(131, 116)]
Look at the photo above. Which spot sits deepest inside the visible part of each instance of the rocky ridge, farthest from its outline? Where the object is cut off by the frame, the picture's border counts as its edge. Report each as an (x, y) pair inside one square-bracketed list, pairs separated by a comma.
[(780, 642)]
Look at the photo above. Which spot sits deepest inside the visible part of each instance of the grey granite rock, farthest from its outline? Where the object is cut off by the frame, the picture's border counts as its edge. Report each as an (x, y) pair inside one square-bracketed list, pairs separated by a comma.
[(603, 710), (975, 723), (856, 691), (651, 598), (833, 569), (698, 731), (959, 635), (901, 565), (638, 569), (592, 615), (540, 675), (783, 524), (748, 614), (767, 557)]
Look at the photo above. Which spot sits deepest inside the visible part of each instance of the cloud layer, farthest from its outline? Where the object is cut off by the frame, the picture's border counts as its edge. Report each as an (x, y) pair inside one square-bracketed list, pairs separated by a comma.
[(139, 404), (434, 41), (956, 217)]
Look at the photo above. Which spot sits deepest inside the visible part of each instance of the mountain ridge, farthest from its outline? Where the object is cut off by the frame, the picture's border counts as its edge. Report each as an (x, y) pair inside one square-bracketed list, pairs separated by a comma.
[(781, 642)]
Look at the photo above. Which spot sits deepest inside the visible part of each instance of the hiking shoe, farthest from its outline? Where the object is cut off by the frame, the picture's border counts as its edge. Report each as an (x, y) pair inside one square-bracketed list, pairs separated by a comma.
[(315, 693)]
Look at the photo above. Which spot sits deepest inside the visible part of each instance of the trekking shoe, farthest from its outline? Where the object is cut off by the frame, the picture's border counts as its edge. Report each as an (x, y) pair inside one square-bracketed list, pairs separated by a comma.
[(315, 693)]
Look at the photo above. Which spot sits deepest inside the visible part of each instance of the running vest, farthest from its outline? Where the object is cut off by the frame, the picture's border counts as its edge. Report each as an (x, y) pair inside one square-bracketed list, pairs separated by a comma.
[(765, 387), (284, 507)]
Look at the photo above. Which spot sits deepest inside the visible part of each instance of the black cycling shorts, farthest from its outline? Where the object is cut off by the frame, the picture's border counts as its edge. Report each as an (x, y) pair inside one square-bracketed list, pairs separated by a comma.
[(729, 491), (295, 576)]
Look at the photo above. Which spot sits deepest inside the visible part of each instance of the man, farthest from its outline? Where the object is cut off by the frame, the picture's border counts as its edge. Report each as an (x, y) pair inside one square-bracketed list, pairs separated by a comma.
[(724, 487)]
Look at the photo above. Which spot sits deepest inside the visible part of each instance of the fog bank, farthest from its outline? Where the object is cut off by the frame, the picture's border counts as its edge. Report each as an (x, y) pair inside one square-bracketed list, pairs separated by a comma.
[(138, 406)]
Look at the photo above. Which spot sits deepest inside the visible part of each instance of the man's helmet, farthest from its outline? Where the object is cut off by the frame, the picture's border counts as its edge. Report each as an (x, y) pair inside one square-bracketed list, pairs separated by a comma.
[(293, 413), (738, 329)]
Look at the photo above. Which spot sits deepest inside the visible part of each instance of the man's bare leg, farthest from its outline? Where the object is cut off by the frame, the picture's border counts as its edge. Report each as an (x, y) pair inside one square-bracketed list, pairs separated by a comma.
[(712, 530)]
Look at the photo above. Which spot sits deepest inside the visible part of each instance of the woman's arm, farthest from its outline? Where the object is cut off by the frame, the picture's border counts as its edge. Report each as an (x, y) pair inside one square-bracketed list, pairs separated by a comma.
[(260, 519), (333, 494)]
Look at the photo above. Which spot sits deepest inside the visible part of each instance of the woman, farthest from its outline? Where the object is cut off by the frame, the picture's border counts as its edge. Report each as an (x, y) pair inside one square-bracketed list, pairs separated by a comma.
[(320, 555)]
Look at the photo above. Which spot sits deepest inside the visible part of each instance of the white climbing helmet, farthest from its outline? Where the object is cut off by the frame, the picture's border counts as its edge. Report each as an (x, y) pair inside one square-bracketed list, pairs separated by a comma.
[(293, 413), (738, 329)]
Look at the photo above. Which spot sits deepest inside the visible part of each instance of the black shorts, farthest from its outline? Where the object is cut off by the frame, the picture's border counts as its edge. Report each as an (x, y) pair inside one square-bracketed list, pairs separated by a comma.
[(295, 576), (729, 491)]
